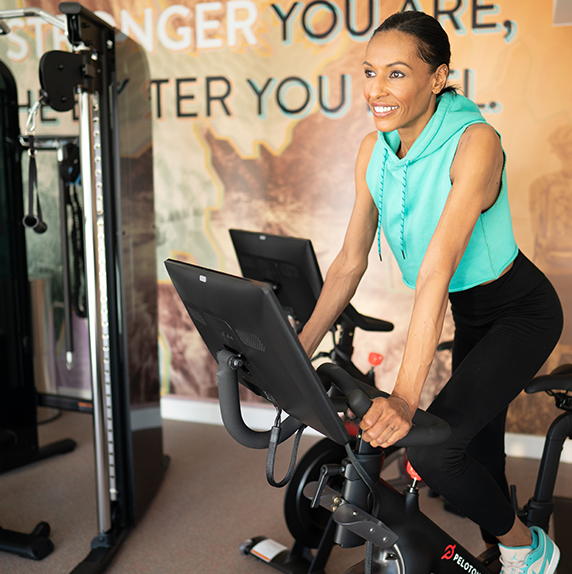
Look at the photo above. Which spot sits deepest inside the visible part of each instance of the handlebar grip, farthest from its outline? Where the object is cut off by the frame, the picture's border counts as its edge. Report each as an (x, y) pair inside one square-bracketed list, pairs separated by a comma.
[(359, 402), (363, 322), (427, 429), (339, 377)]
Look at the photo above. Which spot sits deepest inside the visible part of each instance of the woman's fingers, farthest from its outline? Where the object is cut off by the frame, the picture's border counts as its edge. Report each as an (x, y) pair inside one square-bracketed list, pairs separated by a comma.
[(385, 423), (373, 414)]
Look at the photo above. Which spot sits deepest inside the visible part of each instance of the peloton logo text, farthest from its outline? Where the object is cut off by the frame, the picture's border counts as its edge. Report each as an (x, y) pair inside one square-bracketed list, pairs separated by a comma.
[(450, 554)]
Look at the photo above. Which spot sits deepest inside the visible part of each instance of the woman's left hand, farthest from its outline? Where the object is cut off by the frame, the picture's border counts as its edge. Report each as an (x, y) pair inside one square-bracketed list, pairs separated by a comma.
[(387, 421)]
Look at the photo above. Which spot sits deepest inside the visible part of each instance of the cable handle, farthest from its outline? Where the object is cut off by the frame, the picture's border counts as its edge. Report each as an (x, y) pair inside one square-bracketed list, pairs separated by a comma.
[(32, 113), (34, 220)]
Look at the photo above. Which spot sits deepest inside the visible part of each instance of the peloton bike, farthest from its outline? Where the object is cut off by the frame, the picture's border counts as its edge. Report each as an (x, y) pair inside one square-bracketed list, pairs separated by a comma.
[(248, 332), (290, 266)]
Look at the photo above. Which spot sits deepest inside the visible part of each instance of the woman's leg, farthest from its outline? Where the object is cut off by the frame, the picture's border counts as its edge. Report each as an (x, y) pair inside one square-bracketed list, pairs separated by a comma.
[(487, 447), (492, 374)]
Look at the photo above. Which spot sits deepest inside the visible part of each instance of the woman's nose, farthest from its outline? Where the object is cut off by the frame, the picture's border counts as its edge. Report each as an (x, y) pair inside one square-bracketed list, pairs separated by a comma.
[(378, 87)]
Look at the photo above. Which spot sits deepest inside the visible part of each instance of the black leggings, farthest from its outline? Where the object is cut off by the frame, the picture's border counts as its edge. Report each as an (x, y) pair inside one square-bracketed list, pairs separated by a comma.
[(504, 332)]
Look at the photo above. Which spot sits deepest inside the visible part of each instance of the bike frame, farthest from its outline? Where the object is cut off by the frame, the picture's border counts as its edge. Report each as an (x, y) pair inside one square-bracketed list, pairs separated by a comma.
[(423, 547)]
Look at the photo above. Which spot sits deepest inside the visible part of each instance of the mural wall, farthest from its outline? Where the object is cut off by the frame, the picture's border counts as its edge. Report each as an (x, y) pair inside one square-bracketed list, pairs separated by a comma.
[(257, 117)]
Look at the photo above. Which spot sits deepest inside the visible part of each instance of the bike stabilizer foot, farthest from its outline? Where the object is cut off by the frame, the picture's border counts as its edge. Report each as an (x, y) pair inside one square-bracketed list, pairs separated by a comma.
[(297, 560)]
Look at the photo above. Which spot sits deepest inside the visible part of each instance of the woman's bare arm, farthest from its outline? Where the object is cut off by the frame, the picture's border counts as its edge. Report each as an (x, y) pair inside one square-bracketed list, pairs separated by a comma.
[(476, 177), (350, 264)]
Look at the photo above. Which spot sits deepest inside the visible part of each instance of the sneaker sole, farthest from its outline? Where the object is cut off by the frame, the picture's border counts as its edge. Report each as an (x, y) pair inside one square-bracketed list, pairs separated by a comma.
[(554, 562)]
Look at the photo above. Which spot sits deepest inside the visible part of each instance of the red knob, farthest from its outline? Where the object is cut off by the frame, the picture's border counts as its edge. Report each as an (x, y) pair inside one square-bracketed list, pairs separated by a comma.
[(375, 359), (411, 472)]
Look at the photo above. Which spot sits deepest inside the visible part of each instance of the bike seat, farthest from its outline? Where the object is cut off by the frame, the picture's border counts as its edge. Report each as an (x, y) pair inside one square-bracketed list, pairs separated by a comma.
[(559, 379)]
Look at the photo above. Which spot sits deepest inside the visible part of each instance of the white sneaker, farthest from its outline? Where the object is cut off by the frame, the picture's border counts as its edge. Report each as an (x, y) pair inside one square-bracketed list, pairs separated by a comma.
[(540, 558)]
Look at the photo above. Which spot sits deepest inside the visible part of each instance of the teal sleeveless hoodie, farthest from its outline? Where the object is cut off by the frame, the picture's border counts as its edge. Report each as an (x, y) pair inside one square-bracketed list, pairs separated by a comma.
[(410, 194)]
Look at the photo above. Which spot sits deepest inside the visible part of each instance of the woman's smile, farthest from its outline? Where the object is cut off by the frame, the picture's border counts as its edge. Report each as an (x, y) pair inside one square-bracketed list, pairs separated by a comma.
[(383, 111)]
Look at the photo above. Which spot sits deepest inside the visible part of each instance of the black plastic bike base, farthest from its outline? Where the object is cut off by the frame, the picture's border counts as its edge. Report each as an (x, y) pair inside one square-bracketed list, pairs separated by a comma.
[(98, 559), (34, 546), (490, 558)]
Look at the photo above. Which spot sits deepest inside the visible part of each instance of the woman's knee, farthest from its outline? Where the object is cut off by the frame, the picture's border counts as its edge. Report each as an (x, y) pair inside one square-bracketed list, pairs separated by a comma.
[(422, 460), (434, 461)]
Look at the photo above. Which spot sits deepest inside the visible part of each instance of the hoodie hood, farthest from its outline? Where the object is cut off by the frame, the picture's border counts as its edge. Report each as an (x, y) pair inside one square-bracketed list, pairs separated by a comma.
[(454, 113), (411, 193)]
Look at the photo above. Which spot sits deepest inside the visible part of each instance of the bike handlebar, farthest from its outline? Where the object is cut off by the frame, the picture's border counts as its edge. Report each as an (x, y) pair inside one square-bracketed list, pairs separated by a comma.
[(427, 430), (365, 323), (227, 380)]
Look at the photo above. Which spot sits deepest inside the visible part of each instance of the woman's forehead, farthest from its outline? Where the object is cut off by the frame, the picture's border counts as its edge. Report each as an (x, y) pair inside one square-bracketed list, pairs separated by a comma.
[(392, 46)]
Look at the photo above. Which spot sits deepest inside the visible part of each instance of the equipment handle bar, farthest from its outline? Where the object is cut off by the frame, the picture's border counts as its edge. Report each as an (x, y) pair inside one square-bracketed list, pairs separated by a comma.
[(354, 318), (227, 379), (427, 429)]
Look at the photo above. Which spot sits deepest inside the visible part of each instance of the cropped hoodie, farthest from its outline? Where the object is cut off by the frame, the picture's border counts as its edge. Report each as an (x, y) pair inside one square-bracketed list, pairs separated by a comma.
[(410, 194)]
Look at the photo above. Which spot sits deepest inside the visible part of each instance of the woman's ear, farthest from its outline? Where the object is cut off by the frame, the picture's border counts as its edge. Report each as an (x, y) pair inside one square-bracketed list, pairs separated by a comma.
[(440, 78)]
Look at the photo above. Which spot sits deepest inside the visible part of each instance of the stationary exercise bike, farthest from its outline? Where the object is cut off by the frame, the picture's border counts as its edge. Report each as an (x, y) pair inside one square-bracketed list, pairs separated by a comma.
[(247, 331), (290, 267)]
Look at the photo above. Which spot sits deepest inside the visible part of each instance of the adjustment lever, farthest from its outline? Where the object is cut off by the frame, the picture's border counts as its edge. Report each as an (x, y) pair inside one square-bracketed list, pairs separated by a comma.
[(329, 499), (326, 471)]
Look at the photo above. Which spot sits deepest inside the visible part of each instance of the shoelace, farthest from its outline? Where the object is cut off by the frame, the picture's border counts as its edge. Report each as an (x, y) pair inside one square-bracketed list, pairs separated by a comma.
[(512, 566)]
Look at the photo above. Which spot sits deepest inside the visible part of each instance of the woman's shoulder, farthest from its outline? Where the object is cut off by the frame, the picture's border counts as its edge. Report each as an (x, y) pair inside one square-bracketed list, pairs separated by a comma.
[(367, 144), (479, 148), (365, 152), (481, 138), (480, 130), (370, 139)]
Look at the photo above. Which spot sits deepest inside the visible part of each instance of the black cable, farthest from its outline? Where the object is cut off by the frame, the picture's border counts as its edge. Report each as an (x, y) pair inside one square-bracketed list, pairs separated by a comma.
[(272, 446)]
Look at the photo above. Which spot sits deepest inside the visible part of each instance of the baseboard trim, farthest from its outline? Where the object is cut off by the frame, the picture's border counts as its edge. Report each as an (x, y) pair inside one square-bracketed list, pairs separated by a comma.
[(207, 411), (261, 417)]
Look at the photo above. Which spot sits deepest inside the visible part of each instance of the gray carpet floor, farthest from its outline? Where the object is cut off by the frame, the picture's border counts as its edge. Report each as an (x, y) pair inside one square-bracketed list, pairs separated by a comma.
[(213, 497)]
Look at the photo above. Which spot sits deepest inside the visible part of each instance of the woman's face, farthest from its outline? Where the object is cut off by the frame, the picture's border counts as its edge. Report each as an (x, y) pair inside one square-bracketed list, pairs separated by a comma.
[(399, 87)]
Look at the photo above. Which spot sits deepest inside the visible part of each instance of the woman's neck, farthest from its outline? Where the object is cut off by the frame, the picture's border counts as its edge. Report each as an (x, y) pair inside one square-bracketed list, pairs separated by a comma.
[(402, 151), (409, 134)]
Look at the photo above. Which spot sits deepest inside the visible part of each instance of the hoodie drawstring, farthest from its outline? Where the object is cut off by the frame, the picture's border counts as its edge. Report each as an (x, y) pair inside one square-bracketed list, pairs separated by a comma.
[(403, 187), (380, 205), (380, 202)]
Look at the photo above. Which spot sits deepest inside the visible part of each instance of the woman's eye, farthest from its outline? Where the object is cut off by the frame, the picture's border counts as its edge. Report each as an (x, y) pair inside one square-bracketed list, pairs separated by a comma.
[(396, 74), (369, 73)]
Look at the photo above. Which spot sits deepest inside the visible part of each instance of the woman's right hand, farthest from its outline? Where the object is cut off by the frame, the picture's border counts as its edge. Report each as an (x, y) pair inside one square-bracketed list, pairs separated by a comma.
[(387, 421)]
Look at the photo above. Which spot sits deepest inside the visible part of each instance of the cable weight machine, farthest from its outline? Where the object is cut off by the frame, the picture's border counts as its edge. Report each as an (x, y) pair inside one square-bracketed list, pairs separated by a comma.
[(115, 151)]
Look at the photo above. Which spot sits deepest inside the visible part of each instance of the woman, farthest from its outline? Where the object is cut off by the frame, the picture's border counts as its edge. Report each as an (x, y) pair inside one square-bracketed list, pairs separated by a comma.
[(433, 176)]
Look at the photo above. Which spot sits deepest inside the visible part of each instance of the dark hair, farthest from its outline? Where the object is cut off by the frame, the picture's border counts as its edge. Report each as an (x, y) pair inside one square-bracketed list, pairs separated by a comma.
[(432, 41)]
